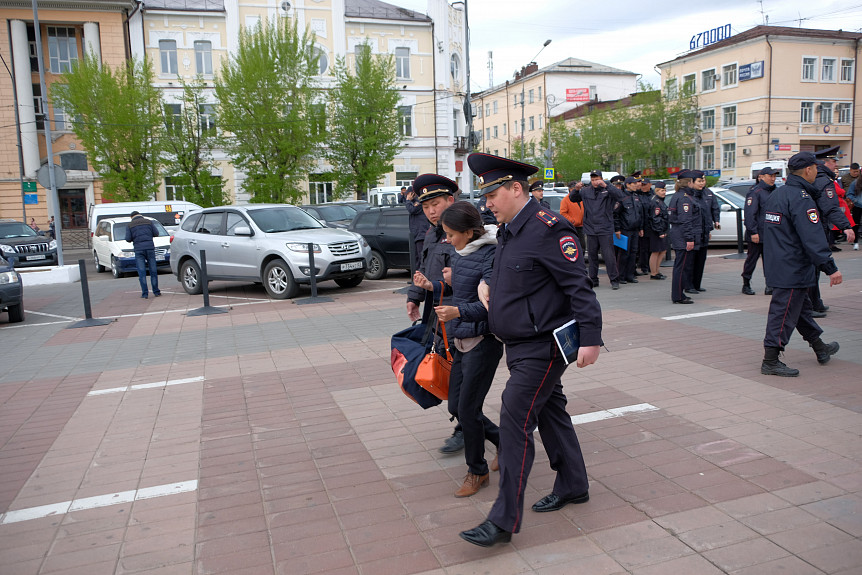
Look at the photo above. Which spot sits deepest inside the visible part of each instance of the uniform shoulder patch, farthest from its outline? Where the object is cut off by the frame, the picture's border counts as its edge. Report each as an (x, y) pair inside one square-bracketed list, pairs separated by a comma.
[(657, 211), (569, 248), (830, 191), (549, 220), (685, 207), (773, 218), (749, 200), (813, 216)]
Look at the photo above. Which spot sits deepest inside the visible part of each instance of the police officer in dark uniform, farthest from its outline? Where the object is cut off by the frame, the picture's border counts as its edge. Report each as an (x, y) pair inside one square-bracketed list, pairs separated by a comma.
[(538, 284), (710, 214), (686, 226), (796, 250), (629, 222), (537, 190), (655, 231), (645, 193), (599, 199), (754, 202), (487, 215)]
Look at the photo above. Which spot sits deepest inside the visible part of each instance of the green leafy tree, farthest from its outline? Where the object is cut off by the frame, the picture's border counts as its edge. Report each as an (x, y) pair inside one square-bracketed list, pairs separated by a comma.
[(365, 124), (267, 97), (189, 139), (117, 116)]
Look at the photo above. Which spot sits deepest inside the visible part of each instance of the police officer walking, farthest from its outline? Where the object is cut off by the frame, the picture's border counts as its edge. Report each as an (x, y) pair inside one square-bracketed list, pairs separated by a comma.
[(754, 203), (416, 221), (538, 284), (645, 192), (599, 199), (629, 222), (796, 252), (710, 214), (686, 227)]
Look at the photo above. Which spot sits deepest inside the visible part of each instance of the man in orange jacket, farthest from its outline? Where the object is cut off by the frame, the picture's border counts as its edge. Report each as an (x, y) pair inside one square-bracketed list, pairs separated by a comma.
[(572, 209)]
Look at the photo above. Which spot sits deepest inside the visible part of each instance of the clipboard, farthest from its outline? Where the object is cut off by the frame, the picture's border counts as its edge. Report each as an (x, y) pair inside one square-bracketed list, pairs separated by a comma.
[(621, 242), (568, 341)]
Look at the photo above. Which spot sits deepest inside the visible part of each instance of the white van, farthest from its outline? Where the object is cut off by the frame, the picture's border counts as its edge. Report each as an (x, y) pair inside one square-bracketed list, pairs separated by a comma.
[(780, 165), (384, 196), (168, 214)]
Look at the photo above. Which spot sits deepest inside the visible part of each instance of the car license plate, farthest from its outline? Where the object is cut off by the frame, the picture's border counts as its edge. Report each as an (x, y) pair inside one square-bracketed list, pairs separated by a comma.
[(39, 257), (160, 258), (351, 266)]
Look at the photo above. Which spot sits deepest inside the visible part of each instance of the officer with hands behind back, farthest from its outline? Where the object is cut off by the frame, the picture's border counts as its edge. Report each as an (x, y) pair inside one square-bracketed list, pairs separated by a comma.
[(686, 228), (538, 284)]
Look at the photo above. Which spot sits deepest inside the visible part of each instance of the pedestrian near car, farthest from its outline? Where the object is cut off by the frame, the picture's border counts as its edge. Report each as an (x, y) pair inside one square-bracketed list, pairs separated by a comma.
[(656, 229), (572, 208), (537, 190), (141, 232), (538, 284), (854, 200), (796, 250), (710, 215), (52, 229), (599, 199), (753, 210), (476, 353), (33, 225), (402, 197), (629, 222), (416, 222), (685, 233)]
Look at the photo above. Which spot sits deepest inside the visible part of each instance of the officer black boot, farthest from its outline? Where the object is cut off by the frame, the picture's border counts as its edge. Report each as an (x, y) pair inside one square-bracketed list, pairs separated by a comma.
[(773, 366), (746, 287), (824, 351), (767, 291)]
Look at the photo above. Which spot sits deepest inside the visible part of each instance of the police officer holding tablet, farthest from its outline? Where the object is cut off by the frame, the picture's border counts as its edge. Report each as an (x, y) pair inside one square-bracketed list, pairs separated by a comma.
[(538, 284)]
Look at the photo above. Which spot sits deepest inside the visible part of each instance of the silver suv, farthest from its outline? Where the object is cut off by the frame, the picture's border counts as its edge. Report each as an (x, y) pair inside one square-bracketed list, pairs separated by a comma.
[(268, 244)]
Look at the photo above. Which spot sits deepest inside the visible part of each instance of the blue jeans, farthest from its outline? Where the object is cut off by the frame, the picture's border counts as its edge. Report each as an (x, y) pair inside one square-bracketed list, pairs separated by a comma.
[(142, 260)]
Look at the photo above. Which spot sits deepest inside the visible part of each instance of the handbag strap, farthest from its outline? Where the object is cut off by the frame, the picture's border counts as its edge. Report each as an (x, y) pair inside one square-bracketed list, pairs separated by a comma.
[(442, 326)]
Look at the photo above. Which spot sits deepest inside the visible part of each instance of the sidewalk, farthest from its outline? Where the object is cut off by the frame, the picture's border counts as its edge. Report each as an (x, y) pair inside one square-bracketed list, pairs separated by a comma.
[(273, 440)]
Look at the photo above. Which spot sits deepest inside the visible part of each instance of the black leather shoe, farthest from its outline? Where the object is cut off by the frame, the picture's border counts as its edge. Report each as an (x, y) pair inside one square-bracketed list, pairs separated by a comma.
[(486, 535), (622, 282), (554, 502), (632, 280), (700, 289), (686, 300), (692, 291), (818, 314), (823, 308), (615, 285), (657, 277)]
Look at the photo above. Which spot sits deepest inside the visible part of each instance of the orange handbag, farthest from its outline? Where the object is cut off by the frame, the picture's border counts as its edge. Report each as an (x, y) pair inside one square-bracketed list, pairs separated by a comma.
[(434, 369)]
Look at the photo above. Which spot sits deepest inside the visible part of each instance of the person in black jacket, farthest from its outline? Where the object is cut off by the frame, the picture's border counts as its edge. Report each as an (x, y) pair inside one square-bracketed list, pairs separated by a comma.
[(598, 199), (710, 215), (417, 222), (645, 192), (141, 232), (686, 224), (477, 352), (539, 283), (796, 251), (629, 222), (537, 190), (754, 202), (655, 231)]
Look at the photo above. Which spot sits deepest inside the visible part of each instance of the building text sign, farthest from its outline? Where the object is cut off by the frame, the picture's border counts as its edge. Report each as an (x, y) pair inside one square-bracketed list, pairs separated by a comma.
[(751, 71), (702, 39), (577, 94)]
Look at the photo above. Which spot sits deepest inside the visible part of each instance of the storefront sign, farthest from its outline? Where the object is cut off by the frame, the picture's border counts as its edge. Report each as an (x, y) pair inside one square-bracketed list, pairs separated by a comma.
[(751, 71), (577, 94)]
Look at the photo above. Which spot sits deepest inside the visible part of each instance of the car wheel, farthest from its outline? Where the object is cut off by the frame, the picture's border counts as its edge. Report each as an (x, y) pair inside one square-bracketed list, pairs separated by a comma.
[(278, 280), (99, 267), (376, 267), (350, 282), (115, 268), (190, 277), (16, 313)]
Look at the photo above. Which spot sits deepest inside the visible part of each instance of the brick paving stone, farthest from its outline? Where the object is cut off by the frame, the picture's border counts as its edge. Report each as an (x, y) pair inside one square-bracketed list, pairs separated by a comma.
[(782, 566), (716, 536), (745, 554), (690, 565)]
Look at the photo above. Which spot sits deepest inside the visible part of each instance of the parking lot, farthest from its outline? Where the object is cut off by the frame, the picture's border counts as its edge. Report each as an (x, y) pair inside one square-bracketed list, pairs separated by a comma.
[(273, 439)]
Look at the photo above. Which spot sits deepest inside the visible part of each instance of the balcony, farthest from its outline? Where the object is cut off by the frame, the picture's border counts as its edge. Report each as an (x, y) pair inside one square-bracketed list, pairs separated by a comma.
[(461, 145)]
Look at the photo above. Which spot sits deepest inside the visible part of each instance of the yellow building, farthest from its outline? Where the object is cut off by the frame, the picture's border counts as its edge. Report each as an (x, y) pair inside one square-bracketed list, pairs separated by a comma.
[(768, 93)]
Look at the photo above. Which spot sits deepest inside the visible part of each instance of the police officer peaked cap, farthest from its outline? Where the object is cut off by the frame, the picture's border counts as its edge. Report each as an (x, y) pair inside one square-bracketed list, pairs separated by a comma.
[(596, 174), (660, 185), (768, 172), (494, 171), (693, 174), (537, 185), (646, 181), (801, 161), (430, 186), (828, 153), (617, 178), (636, 175), (632, 180)]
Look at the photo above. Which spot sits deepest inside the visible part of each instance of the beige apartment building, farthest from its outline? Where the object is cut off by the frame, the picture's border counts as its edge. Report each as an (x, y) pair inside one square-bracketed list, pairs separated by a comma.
[(519, 109), (768, 93)]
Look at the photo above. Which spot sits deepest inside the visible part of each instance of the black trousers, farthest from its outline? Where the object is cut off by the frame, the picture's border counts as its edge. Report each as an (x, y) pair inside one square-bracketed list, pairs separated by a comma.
[(698, 266), (755, 252), (814, 294), (643, 252), (682, 266), (856, 212), (790, 309), (627, 259), (605, 242), (469, 382), (534, 397), (582, 238)]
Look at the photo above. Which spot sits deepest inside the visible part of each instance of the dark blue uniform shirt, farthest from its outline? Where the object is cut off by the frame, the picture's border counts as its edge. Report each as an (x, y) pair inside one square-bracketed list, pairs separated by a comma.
[(629, 213), (686, 223), (754, 202)]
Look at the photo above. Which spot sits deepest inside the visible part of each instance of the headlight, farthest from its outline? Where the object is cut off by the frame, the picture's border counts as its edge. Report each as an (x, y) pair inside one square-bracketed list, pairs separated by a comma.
[(8, 278), (7, 249), (302, 248), (127, 254), (362, 242), (52, 245)]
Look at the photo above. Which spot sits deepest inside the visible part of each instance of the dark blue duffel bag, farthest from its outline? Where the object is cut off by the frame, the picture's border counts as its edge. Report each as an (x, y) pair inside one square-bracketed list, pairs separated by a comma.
[(409, 347)]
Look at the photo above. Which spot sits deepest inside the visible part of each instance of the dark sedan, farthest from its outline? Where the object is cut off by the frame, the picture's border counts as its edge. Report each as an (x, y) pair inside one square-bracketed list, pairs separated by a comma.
[(333, 215)]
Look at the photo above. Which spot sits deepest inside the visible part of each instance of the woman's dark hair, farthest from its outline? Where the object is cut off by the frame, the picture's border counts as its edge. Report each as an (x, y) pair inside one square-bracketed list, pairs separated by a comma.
[(682, 183), (463, 217)]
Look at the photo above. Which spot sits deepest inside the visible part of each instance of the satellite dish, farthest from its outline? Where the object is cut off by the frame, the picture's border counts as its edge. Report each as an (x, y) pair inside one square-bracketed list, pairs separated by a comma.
[(44, 177)]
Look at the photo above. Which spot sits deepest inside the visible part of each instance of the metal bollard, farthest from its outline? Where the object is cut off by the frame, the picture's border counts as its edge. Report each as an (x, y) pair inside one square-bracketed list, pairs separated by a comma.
[(740, 252), (207, 309), (312, 276), (88, 320)]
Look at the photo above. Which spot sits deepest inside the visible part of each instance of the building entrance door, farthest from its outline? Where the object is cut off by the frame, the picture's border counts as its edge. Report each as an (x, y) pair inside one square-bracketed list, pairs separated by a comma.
[(73, 208)]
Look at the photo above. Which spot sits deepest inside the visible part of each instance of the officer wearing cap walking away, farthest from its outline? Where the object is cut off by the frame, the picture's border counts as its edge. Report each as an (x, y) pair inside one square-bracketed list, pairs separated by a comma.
[(754, 202), (710, 214), (795, 250), (629, 222), (537, 190), (434, 194), (599, 199), (686, 224), (538, 284), (572, 208), (645, 193)]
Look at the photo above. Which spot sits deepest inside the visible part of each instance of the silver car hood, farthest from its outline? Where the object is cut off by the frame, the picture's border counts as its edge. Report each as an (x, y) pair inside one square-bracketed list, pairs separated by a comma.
[(317, 236)]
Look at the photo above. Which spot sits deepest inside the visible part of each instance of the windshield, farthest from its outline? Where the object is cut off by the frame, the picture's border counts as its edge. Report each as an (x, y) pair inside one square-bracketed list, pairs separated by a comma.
[(16, 230), (283, 219), (121, 227), (334, 213), (732, 197)]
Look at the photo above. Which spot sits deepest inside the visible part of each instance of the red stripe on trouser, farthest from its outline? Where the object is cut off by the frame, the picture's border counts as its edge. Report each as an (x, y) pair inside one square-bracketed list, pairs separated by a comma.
[(784, 317), (520, 492)]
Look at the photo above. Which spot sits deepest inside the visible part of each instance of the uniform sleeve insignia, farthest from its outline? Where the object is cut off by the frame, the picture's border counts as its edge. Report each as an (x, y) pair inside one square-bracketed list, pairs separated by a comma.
[(749, 201), (805, 194), (657, 211), (772, 218), (813, 216), (685, 207), (569, 248), (547, 218), (830, 192)]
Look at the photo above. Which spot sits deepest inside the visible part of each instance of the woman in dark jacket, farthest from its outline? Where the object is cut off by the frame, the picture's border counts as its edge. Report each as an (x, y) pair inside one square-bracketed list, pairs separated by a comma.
[(477, 352), (656, 231)]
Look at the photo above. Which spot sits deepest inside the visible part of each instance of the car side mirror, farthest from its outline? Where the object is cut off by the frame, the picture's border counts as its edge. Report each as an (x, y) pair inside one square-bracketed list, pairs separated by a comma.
[(726, 208), (242, 231)]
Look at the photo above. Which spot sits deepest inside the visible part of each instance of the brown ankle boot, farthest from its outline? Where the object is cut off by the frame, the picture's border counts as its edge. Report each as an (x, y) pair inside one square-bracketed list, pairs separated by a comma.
[(472, 484), (495, 463)]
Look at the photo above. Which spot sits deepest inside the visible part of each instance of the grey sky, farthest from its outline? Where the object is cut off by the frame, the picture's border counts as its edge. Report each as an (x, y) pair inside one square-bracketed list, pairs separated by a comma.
[(633, 35)]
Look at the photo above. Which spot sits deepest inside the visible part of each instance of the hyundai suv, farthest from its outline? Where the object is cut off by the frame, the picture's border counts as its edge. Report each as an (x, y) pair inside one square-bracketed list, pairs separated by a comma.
[(24, 247), (268, 244)]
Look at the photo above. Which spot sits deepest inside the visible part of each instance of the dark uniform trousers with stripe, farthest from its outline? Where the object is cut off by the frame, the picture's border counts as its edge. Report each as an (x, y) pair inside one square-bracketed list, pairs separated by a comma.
[(790, 309), (527, 405), (683, 265)]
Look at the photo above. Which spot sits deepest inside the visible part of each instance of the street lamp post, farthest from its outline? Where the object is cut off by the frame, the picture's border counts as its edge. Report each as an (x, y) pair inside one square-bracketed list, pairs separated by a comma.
[(549, 101), (545, 45)]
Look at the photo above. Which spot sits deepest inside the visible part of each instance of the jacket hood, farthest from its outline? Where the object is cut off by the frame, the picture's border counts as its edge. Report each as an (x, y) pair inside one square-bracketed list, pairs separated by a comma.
[(488, 238)]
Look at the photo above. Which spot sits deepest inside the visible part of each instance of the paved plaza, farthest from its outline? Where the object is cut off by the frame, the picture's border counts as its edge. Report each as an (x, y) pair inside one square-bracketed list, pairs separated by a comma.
[(273, 439)]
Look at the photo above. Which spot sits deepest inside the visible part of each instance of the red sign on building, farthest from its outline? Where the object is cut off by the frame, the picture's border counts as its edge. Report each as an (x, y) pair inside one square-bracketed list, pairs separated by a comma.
[(577, 94)]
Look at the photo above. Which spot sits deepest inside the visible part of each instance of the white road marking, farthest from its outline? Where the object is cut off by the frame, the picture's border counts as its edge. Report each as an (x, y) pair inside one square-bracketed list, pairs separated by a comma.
[(701, 314), (52, 315), (611, 413), (153, 385), (97, 501)]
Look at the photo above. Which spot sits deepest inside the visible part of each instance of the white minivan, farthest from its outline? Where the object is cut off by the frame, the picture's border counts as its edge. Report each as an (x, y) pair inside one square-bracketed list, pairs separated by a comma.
[(169, 214), (780, 165)]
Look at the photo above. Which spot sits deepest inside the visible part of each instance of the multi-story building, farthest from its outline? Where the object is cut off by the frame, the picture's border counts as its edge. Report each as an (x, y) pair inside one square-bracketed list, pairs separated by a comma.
[(518, 110), (768, 93)]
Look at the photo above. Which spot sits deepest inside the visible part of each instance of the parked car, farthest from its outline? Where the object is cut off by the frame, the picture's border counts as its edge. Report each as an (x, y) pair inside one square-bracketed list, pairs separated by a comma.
[(265, 243), (167, 213), (23, 247), (11, 292), (110, 248), (333, 215), (728, 202), (554, 198), (357, 205), (387, 232), (741, 187)]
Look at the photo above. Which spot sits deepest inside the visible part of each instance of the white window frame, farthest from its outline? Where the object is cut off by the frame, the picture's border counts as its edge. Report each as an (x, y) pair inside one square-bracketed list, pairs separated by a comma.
[(488, 109), (708, 157), (59, 63), (532, 96), (708, 112), (724, 116), (59, 118), (532, 123), (322, 58), (496, 128), (814, 70), (688, 155), (488, 133), (806, 112), (495, 106), (406, 127), (834, 78), (827, 113), (703, 88), (402, 63), (204, 57), (692, 89), (207, 115), (735, 83), (671, 88), (169, 56), (504, 127), (851, 67), (728, 151), (845, 112)]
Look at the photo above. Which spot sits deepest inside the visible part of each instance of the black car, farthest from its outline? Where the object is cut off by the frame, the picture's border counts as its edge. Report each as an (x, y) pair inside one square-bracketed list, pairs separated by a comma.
[(11, 292), (24, 247), (387, 231), (333, 215)]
